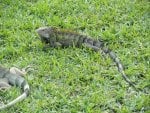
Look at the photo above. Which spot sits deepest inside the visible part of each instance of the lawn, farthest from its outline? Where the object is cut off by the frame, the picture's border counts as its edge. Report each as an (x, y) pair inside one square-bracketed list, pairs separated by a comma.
[(78, 80)]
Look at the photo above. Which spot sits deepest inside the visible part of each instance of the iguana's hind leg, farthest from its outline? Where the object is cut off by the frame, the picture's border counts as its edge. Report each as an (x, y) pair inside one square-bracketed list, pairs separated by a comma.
[(4, 85), (17, 71), (20, 72)]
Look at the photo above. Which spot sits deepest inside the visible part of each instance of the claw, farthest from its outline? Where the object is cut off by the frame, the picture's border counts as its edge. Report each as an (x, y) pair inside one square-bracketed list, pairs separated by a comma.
[(28, 69)]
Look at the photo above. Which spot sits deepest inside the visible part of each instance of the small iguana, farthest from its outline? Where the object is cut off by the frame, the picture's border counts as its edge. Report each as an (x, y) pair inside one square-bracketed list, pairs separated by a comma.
[(56, 37), (13, 77)]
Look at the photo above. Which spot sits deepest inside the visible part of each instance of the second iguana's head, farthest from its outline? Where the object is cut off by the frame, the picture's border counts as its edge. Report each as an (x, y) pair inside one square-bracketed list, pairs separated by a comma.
[(45, 33)]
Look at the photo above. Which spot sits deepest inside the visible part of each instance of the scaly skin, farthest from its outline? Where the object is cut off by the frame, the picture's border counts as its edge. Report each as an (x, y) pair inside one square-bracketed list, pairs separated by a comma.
[(56, 37), (16, 80)]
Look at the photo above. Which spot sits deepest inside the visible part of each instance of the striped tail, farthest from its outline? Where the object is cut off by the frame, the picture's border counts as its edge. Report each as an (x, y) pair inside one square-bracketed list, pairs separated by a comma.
[(18, 99), (119, 66)]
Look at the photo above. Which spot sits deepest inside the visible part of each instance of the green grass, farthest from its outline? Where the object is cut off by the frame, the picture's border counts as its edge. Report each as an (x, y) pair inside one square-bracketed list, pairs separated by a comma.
[(74, 80)]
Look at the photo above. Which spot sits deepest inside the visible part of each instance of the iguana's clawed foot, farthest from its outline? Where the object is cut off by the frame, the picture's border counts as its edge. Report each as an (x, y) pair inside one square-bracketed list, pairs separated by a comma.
[(28, 68)]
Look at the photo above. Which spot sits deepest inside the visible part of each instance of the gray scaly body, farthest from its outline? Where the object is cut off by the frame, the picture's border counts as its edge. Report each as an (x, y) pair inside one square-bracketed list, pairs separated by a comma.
[(55, 37), (16, 80)]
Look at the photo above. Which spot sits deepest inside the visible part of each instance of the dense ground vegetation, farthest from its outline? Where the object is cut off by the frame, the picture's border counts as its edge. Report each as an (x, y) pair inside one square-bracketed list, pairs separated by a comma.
[(74, 80)]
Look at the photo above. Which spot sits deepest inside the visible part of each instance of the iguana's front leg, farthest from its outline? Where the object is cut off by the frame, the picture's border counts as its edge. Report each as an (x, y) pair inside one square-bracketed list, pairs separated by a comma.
[(53, 45)]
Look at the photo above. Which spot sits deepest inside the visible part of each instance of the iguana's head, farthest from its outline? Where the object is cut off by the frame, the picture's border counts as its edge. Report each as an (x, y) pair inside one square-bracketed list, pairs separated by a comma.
[(45, 33)]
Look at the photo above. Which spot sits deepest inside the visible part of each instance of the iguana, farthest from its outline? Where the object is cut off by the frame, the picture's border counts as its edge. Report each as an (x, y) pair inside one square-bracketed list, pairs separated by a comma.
[(55, 37), (13, 77)]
